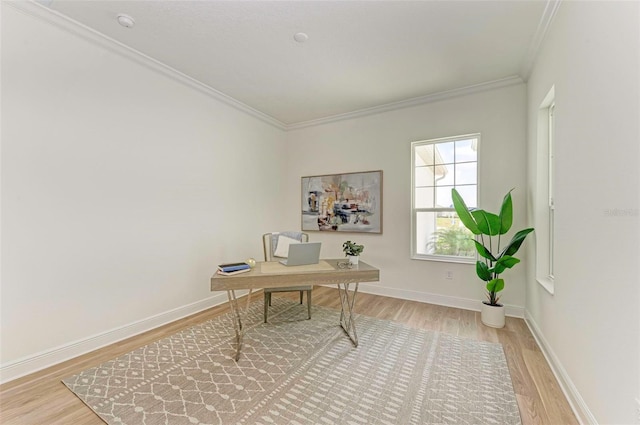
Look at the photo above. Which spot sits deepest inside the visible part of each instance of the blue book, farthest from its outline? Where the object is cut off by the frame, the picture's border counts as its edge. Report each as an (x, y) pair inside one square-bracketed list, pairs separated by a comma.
[(233, 273), (232, 267)]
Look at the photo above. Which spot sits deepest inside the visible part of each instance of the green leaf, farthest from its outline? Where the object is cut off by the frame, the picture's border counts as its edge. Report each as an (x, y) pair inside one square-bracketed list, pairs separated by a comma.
[(495, 285), (505, 262), (516, 241), (463, 212), (488, 223), (506, 214), (482, 270), (484, 252)]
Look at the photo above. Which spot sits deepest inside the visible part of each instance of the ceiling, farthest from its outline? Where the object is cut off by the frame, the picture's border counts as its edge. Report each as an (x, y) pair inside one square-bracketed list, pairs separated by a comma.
[(360, 55)]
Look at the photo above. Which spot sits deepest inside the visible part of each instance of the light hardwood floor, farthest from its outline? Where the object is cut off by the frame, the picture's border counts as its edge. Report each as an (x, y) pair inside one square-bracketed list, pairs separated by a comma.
[(41, 398)]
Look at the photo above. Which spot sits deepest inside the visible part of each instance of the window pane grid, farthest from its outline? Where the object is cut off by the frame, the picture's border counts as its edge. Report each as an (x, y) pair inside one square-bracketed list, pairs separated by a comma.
[(439, 166), (459, 162)]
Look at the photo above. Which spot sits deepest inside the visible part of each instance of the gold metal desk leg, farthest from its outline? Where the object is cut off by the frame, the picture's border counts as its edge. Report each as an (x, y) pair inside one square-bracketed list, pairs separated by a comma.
[(347, 319), (236, 316), (237, 320)]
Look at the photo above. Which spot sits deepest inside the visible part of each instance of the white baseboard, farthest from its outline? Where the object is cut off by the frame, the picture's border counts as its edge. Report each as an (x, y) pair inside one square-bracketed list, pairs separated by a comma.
[(577, 403), (48, 358), (425, 297)]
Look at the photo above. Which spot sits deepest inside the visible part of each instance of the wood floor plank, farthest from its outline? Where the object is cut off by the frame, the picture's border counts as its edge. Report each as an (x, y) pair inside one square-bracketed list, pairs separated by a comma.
[(553, 399), (486, 333), (532, 411), (520, 377), (527, 341), (41, 398)]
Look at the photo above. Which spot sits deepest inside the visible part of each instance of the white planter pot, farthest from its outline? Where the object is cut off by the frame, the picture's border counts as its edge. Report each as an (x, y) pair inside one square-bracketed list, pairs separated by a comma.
[(353, 259), (492, 315)]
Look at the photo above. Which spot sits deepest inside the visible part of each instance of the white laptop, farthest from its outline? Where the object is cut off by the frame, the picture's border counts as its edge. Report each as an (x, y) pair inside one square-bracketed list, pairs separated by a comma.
[(303, 253)]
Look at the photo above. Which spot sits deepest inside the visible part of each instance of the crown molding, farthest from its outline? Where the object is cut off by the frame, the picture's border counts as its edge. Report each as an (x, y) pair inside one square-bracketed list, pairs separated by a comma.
[(546, 19), (39, 11), (415, 101)]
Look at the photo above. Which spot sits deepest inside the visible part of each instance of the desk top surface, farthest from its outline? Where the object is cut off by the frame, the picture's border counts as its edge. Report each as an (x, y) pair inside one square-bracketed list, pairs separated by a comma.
[(273, 275)]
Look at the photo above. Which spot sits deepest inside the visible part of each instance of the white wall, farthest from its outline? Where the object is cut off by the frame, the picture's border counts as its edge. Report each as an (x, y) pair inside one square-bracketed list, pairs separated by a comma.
[(383, 142), (122, 189), (589, 327)]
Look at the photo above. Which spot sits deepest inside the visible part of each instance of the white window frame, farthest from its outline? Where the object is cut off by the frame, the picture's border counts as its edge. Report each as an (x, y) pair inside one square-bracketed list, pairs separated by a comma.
[(415, 211), (545, 199), (552, 205)]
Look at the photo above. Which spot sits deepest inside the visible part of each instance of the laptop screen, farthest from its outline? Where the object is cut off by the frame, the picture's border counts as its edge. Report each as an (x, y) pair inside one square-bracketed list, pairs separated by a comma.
[(303, 253)]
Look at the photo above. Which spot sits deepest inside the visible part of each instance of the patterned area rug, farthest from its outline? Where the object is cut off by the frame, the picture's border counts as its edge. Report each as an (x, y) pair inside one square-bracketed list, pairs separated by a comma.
[(297, 371)]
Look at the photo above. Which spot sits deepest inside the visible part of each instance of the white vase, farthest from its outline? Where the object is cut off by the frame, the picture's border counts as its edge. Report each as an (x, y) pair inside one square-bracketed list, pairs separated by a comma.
[(492, 315), (353, 259)]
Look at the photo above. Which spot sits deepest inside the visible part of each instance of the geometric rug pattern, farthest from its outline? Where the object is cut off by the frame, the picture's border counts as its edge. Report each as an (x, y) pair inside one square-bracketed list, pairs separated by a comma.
[(298, 371)]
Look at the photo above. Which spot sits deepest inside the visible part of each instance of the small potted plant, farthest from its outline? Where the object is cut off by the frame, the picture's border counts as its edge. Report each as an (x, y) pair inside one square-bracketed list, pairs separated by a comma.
[(490, 227), (352, 251)]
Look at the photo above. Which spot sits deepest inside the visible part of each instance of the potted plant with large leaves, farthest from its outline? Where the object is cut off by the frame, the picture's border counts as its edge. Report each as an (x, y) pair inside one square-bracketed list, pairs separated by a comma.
[(495, 260)]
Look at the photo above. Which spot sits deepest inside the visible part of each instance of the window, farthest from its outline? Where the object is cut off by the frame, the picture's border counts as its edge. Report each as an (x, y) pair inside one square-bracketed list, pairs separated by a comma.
[(551, 189), (437, 167), (544, 201)]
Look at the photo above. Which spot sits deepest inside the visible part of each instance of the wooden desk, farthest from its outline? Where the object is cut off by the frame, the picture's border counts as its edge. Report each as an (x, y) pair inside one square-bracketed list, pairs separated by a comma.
[(275, 275)]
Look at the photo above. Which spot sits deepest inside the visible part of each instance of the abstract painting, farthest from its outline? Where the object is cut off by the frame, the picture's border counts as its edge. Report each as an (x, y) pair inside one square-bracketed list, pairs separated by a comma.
[(348, 202)]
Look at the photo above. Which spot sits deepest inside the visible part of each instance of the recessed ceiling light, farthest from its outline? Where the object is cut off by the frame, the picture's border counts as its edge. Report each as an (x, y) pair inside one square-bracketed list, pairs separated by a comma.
[(126, 20), (300, 37)]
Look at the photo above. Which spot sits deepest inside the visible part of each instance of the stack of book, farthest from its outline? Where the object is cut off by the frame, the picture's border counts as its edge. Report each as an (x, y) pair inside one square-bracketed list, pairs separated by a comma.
[(233, 268)]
